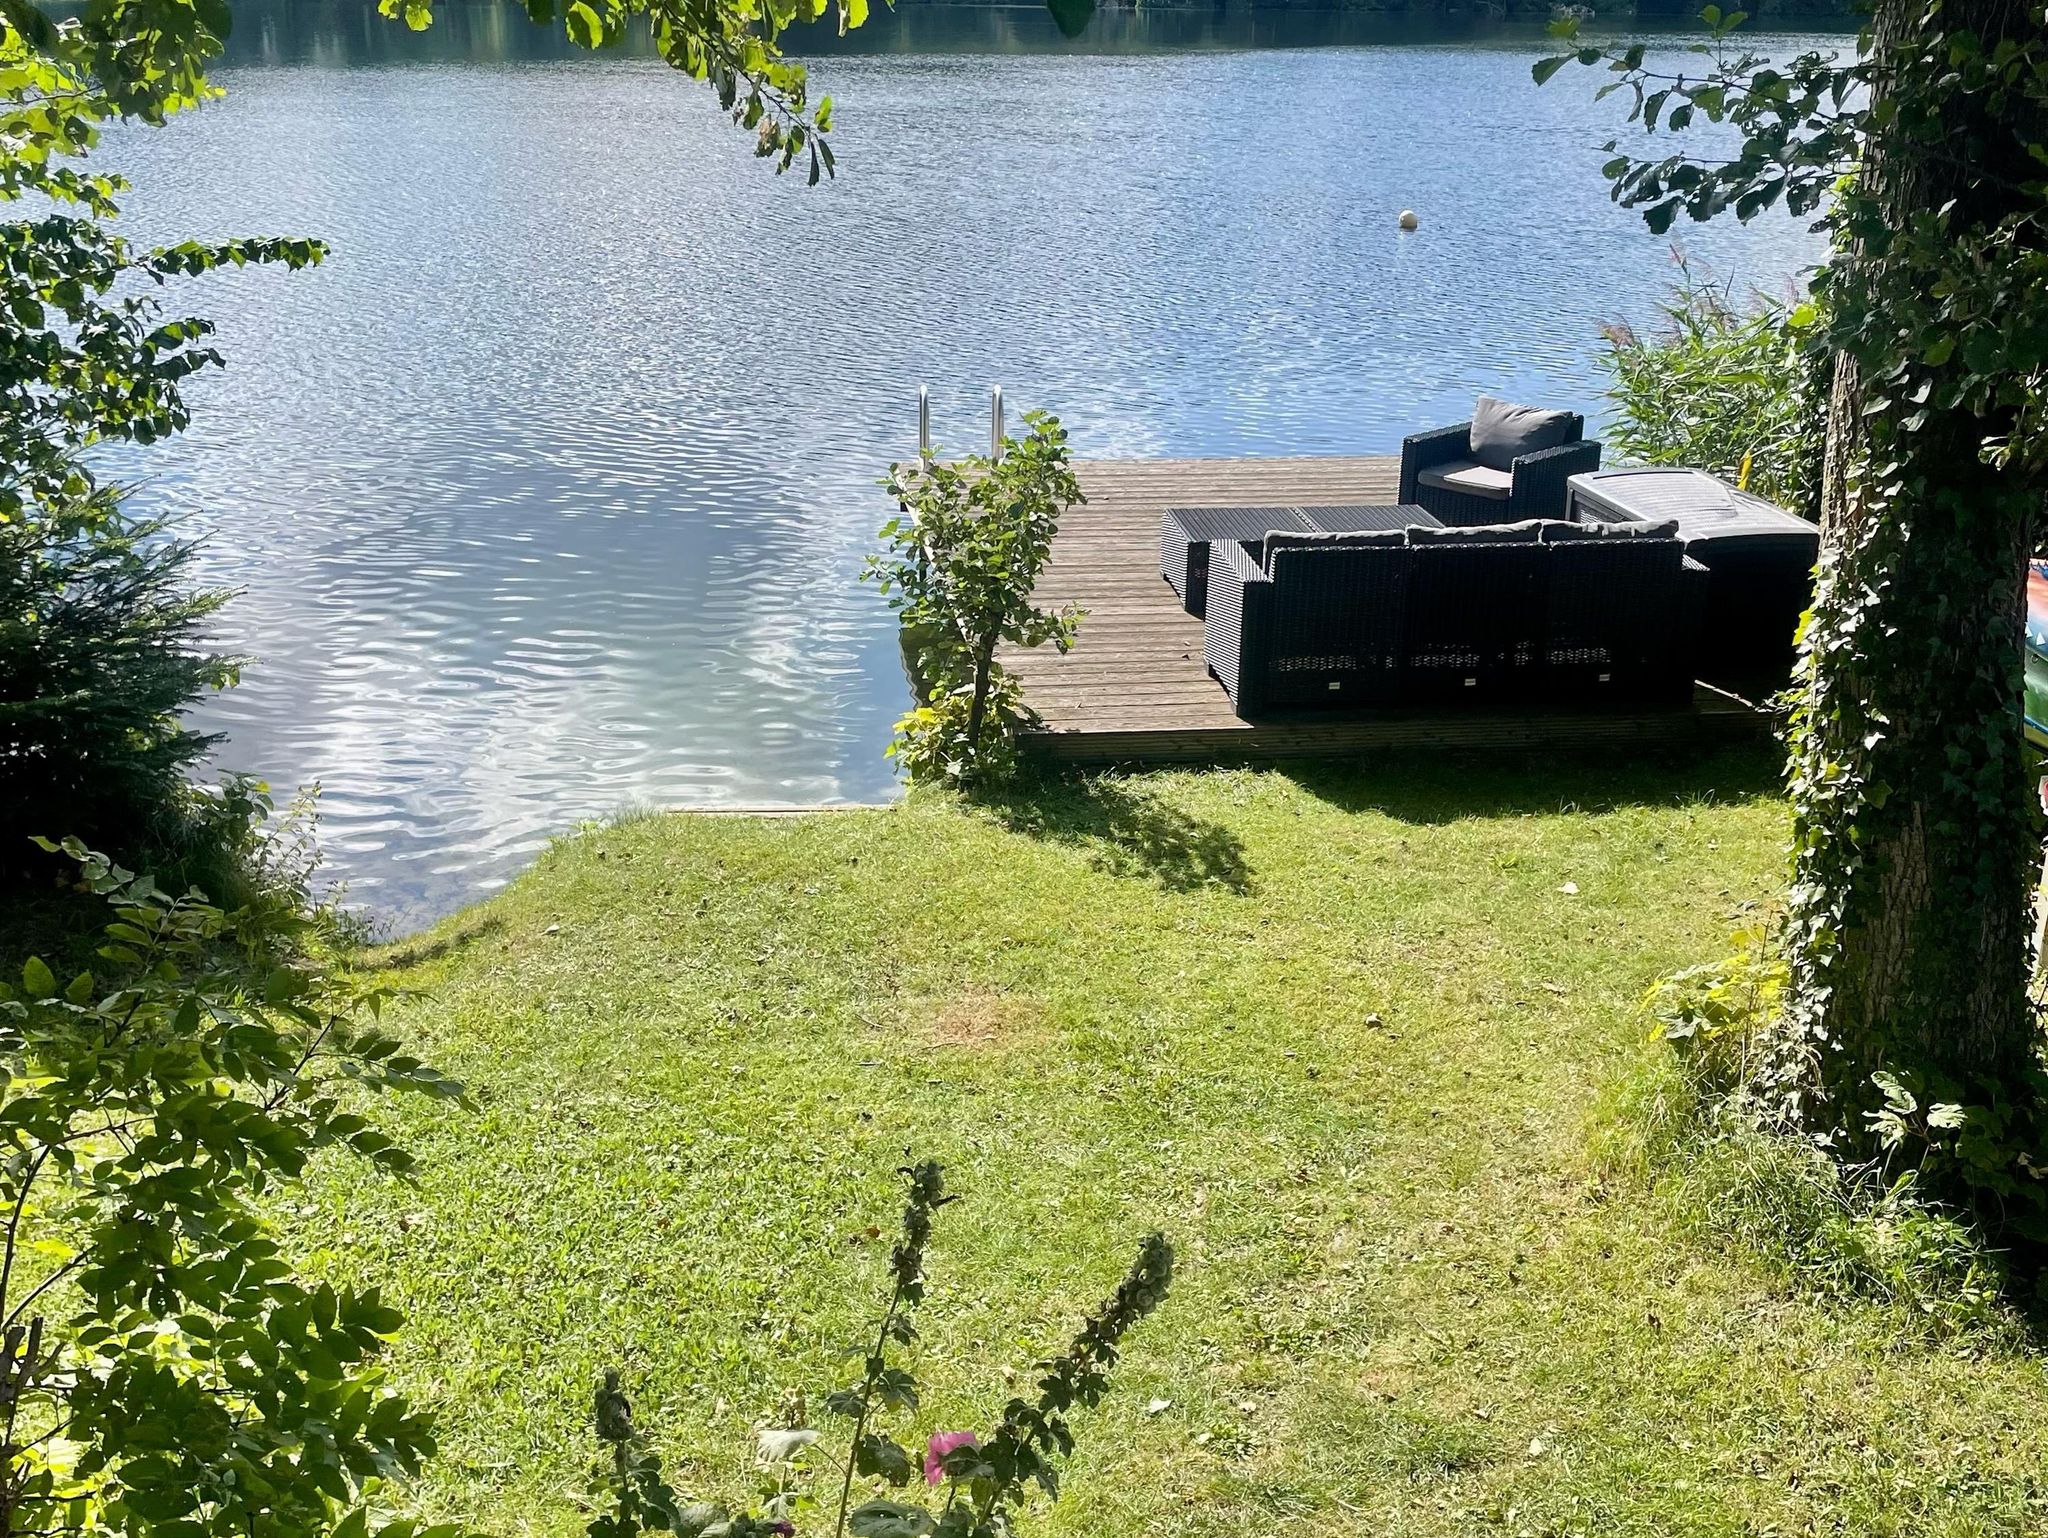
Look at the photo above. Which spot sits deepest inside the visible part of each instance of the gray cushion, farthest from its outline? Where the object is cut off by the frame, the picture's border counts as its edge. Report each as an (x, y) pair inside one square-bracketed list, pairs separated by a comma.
[(1663, 528), (1561, 532), (1523, 533), (1503, 432), (1362, 539), (1470, 477)]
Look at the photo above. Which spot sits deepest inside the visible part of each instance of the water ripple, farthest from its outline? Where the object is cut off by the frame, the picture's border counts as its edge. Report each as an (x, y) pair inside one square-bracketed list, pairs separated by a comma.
[(549, 492)]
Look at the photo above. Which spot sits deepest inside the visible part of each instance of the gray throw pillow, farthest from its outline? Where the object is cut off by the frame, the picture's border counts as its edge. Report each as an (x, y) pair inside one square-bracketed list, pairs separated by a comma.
[(1503, 432), (1523, 533)]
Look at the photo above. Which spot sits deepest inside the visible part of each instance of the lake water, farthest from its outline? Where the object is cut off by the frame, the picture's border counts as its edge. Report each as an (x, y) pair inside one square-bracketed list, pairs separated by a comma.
[(548, 494)]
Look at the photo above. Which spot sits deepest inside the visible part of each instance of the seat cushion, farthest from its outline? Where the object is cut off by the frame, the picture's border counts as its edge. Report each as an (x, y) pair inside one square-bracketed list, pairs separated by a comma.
[(1562, 531), (1662, 528), (1555, 533), (1469, 477), (1503, 432), (1523, 533), (1363, 539)]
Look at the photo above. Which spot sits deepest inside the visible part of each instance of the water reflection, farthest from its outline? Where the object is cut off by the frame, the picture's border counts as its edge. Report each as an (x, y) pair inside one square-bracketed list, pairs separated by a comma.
[(350, 32), (549, 492)]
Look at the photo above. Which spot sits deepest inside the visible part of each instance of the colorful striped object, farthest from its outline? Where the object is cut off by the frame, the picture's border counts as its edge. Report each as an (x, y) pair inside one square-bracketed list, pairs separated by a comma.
[(2037, 654)]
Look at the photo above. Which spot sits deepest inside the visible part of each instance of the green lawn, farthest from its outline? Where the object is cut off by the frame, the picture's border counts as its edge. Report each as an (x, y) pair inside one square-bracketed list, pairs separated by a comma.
[(1343, 1033)]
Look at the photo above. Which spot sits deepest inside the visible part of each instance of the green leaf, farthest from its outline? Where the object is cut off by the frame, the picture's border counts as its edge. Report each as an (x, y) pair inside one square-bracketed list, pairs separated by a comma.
[(282, 985), (897, 1388), (849, 1402), (888, 1519), (882, 1458), (37, 981), (582, 24)]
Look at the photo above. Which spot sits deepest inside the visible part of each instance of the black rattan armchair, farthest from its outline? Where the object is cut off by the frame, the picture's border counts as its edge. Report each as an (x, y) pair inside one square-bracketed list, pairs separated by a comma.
[(1441, 471)]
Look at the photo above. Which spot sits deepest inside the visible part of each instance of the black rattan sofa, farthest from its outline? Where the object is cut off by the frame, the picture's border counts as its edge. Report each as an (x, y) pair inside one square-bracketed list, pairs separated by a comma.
[(1508, 463), (1540, 612)]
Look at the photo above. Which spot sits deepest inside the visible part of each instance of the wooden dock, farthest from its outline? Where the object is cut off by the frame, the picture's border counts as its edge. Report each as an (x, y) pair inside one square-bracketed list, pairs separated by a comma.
[(1135, 687)]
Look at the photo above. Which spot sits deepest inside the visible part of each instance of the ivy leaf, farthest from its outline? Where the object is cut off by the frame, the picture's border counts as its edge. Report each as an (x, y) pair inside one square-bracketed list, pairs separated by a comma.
[(37, 981)]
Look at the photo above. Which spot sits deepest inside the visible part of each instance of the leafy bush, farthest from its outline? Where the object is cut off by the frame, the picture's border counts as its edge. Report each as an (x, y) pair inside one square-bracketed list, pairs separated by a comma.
[(1723, 385), (962, 560), (1989, 1146), (101, 637), (101, 647), (164, 1370), (1716, 1130), (1844, 1231), (1719, 1017), (987, 1477), (1741, 1092)]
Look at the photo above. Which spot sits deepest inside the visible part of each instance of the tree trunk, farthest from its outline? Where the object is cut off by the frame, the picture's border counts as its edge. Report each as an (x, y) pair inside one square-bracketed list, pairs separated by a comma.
[(977, 708), (1914, 846)]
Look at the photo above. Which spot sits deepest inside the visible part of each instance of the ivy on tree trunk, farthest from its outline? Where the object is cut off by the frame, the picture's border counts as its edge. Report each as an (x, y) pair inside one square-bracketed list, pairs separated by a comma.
[(1926, 158), (1914, 840)]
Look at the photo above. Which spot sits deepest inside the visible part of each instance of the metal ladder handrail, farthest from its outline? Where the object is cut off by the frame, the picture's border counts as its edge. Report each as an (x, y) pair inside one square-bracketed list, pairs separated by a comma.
[(995, 422)]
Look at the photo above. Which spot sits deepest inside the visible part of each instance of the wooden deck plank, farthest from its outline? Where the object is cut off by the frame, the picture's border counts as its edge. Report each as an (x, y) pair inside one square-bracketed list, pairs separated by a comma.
[(1135, 686)]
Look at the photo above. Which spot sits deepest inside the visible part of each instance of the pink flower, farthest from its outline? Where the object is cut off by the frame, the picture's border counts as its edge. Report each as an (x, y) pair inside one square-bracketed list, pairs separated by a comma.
[(935, 1452)]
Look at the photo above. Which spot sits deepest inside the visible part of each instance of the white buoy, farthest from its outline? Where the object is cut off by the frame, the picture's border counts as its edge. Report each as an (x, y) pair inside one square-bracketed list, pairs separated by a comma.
[(1408, 221)]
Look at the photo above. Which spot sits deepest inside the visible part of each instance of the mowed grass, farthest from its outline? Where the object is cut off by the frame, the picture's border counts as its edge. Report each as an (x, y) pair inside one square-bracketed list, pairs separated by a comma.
[(1342, 1032)]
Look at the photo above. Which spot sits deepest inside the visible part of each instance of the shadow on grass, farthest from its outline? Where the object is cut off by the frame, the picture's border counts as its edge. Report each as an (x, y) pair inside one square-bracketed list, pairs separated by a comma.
[(1444, 787), (1127, 830), (412, 953)]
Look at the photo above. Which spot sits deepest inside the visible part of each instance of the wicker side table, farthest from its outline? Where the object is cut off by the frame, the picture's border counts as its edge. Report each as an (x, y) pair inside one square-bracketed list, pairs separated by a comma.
[(1185, 533)]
